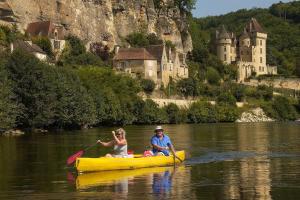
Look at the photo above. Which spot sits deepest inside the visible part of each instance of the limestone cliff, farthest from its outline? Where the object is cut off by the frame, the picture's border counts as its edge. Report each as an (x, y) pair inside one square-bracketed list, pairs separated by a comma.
[(103, 20)]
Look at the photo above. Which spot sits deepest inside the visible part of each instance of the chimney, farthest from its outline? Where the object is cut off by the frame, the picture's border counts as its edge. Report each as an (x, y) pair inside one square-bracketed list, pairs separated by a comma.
[(11, 47)]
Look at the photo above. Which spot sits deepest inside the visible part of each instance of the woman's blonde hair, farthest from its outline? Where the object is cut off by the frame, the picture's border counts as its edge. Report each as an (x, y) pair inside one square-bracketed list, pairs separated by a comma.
[(122, 132)]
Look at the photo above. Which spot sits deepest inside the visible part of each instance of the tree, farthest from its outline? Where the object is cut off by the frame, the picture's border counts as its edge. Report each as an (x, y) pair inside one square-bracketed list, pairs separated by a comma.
[(148, 85), (284, 108), (173, 113), (76, 45), (202, 112), (213, 76), (187, 87), (226, 99), (10, 110)]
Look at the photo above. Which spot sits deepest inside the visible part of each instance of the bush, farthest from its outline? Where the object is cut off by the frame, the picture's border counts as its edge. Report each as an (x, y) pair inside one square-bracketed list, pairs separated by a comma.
[(187, 87), (148, 112), (202, 112), (147, 85), (213, 76), (137, 39), (226, 113), (226, 99), (284, 108), (173, 113)]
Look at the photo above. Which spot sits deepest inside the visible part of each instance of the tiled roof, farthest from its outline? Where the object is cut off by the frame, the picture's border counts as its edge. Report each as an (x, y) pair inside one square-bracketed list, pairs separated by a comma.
[(254, 26), (245, 34), (45, 29), (30, 48), (133, 54), (156, 51)]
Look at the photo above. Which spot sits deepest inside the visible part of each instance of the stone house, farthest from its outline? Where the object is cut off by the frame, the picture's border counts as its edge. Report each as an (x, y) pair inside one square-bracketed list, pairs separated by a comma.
[(29, 47), (54, 32), (247, 52), (137, 62), (169, 64)]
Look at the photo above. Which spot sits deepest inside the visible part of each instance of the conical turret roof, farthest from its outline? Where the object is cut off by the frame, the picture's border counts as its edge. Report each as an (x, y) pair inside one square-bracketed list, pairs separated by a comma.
[(223, 33), (245, 34), (254, 26)]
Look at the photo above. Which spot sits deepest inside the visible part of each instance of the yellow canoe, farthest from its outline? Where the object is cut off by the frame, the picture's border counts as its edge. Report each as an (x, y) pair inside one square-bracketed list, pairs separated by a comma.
[(106, 164), (87, 180)]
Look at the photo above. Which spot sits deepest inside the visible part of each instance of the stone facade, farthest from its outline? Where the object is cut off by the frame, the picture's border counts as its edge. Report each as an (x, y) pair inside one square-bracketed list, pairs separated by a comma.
[(103, 20), (154, 62), (248, 52)]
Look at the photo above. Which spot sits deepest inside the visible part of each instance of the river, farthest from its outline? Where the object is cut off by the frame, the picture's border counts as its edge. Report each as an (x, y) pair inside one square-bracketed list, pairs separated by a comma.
[(225, 161)]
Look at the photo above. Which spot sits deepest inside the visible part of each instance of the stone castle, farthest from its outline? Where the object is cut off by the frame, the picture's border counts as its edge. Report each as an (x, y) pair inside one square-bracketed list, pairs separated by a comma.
[(247, 52)]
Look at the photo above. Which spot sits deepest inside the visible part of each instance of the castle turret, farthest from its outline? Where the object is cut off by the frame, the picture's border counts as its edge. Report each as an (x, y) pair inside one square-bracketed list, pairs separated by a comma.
[(259, 37), (224, 43)]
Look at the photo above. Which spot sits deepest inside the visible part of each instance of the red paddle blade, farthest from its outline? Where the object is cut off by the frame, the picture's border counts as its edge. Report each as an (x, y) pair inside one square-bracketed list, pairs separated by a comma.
[(72, 158)]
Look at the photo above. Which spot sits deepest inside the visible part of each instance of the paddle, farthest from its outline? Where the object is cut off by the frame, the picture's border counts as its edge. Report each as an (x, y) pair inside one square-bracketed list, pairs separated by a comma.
[(174, 153), (78, 154)]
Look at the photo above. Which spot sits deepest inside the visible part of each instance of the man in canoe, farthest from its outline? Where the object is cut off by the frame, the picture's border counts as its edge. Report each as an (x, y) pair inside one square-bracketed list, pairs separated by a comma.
[(161, 143)]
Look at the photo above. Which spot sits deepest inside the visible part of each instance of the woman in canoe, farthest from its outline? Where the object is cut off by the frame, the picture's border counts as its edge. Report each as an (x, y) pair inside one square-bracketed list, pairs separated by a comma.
[(119, 143)]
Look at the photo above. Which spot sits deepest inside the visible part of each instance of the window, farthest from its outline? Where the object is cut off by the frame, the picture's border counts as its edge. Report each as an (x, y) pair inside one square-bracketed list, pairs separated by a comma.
[(225, 57), (260, 42), (261, 60), (261, 51), (260, 68), (224, 48)]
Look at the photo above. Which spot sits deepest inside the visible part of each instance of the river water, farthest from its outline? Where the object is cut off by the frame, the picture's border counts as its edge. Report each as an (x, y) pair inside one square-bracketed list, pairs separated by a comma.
[(225, 161)]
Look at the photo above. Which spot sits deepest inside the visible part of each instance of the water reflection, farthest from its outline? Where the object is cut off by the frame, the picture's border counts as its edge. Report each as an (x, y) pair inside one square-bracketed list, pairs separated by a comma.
[(158, 181)]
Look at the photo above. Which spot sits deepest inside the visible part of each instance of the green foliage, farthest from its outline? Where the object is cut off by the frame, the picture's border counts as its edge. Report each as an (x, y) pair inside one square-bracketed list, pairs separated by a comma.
[(202, 112), (50, 96), (187, 87), (75, 54), (169, 44), (213, 76), (9, 108), (284, 108), (226, 113), (264, 92), (76, 45), (8, 35), (147, 85), (141, 39), (44, 43), (137, 39), (174, 114), (226, 98), (149, 113), (115, 96)]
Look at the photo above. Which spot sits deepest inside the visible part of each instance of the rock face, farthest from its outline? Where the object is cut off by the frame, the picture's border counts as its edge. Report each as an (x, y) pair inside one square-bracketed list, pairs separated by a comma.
[(254, 115), (103, 20)]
